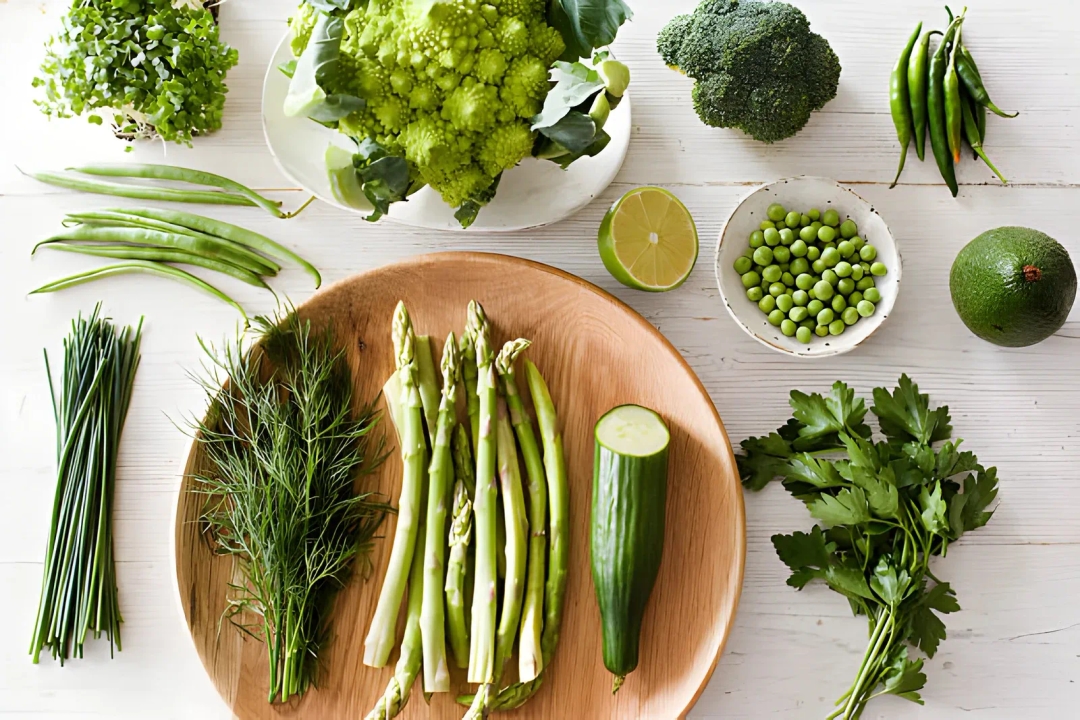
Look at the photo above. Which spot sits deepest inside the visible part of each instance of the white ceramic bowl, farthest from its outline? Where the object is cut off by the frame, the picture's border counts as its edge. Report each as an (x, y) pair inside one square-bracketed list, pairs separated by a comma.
[(804, 193), (534, 193)]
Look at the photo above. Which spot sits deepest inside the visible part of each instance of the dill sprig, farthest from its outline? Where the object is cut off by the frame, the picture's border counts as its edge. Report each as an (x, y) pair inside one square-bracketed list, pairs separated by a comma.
[(286, 447)]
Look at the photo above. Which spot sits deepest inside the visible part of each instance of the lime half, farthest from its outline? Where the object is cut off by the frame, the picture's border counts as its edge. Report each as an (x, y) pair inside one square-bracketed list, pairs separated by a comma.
[(648, 240)]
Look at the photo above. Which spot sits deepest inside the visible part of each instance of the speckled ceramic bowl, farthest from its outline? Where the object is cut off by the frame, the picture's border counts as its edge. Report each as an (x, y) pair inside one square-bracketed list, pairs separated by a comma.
[(803, 193)]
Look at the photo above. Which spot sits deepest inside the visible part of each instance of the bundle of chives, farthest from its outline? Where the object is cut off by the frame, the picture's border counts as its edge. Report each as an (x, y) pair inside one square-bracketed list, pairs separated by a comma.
[(78, 591)]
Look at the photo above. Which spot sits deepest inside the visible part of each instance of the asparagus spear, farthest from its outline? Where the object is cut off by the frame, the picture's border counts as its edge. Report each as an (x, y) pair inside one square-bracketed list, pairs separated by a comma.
[(482, 639), (440, 474), (408, 666), (381, 634), (460, 537), (517, 538), (469, 376), (429, 388), (530, 658)]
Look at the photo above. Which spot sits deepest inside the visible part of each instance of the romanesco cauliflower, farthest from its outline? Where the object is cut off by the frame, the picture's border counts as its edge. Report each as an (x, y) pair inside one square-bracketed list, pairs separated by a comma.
[(450, 85)]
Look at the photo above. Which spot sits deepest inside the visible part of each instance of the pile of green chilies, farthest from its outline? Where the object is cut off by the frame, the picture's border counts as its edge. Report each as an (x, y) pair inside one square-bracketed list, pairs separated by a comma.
[(451, 491), (78, 591), (152, 241), (944, 92)]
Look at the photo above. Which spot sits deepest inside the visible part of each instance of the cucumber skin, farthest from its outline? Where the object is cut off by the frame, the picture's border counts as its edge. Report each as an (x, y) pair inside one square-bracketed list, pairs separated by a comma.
[(626, 547)]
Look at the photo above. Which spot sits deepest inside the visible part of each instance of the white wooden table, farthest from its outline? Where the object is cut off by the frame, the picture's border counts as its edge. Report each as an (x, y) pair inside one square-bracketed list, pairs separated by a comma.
[(1012, 652)]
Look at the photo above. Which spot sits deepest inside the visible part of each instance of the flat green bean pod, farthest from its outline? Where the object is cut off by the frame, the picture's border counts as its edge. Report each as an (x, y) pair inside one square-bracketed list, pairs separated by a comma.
[(138, 192)]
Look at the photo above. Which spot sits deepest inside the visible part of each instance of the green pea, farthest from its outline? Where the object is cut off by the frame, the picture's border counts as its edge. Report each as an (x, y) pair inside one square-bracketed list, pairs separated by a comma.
[(837, 327), (865, 266), (868, 253), (776, 317), (781, 255), (866, 308), (855, 298), (825, 316), (843, 269), (839, 304), (772, 273), (788, 279), (757, 239), (800, 297), (777, 289), (798, 248), (799, 266), (849, 229), (808, 233), (805, 219), (785, 303), (810, 323), (831, 256), (748, 253), (814, 214), (787, 237), (788, 328), (846, 249), (776, 212), (772, 237), (763, 256), (826, 234), (792, 219), (814, 307), (766, 225), (824, 290), (804, 281), (821, 330), (767, 304), (878, 269), (804, 335), (813, 253), (850, 316), (830, 277), (784, 267), (858, 242), (819, 266), (789, 291), (872, 295), (817, 226), (750, 279), (744, 265), (798, 314), (755, 294), (831, 218), (846, 286), (857, 273)]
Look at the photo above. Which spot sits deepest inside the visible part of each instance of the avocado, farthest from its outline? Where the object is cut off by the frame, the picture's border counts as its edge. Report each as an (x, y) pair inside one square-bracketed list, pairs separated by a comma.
[(1013, 286)]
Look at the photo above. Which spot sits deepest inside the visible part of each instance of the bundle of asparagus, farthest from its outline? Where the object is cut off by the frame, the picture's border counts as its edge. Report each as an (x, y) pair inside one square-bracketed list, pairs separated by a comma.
[(444, 471)]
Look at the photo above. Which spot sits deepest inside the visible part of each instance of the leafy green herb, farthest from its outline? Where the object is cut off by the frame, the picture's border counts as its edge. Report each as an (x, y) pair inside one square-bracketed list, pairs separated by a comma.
[(285, 448), (158, 67), (885, 509)]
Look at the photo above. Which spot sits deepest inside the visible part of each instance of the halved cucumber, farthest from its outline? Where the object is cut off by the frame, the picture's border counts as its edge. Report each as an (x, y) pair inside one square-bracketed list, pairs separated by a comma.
[(627, 526)]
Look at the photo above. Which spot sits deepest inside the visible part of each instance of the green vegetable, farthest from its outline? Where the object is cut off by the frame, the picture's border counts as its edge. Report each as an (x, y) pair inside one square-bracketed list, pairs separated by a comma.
[(885, 509), (935, 108), (954, 120), (138, 192), (586, 25), (157, 67), (627, 526), (78, 589), (730, 48), (459, 540), (900, 101), (286, 443), (381, 634), (918, 77), (973, 135)]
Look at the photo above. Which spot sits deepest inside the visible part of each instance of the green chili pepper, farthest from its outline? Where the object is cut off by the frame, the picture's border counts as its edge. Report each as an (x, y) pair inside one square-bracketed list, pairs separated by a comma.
[(917, 76), (971, 131), (954, 114), (900, 101), (973, 83), (935, 108)]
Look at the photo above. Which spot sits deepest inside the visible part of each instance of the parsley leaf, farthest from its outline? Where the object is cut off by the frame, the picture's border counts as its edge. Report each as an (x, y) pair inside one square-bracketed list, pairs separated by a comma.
[(826, 416), (807, 554), (905, 414), (848, 507), (765, 460), (905, 677)]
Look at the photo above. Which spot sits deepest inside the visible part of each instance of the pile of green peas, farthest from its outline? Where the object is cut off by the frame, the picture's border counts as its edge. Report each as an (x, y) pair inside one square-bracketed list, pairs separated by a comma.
[(810, 273)]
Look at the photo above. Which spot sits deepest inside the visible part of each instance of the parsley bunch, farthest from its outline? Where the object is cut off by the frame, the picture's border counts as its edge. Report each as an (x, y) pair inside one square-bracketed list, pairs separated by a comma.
[(887, 508), (157, 65)]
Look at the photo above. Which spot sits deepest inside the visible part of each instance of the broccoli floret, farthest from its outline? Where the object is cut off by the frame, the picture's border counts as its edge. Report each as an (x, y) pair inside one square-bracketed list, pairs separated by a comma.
[(757, 65)]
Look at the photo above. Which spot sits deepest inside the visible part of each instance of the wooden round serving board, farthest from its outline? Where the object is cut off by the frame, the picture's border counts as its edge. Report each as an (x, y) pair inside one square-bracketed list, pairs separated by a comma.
[(595, 353)]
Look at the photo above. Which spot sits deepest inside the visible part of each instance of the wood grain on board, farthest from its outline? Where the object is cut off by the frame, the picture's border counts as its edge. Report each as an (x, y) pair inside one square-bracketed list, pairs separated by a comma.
[(595, 353)]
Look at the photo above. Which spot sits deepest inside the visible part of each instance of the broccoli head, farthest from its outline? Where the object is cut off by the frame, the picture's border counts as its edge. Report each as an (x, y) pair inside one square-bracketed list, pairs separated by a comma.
[(757, 65)]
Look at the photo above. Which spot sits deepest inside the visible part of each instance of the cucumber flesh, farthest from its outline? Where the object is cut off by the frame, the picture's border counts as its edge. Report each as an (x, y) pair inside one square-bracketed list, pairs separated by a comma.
[(633, 430)]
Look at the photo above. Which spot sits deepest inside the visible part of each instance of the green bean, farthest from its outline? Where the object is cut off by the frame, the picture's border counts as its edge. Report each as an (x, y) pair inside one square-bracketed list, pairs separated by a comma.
[(167, 255), (918, 74), (218, 249), (973, 82), (935, 109), (137, 192), (900, 101), (179, 174), (954, 114), (971, 130), (240, 235), (138, 266)]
